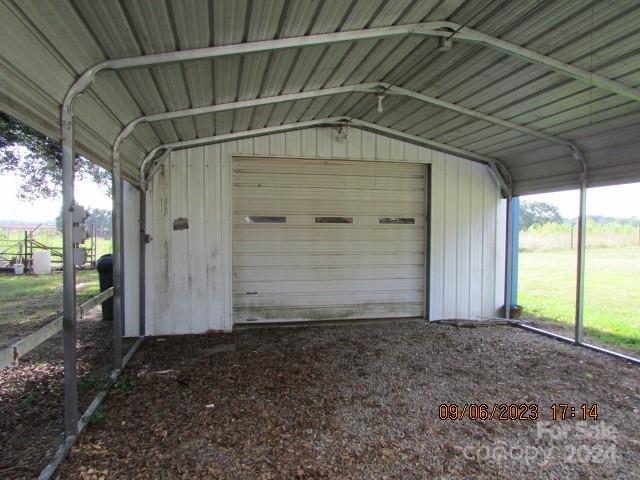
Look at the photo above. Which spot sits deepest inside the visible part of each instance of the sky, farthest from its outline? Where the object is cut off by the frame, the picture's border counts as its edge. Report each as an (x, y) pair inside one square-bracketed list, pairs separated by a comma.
[(88, 194), (615, 201)]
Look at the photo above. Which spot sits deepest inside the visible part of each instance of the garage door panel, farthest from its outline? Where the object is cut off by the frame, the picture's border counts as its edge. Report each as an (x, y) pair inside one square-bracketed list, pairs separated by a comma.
[(296, 269), (352, 312), (311, 286), (339, 194), (309, 167), (371, 247), (330, 181), (308, 221), (325, 206), (316, 299), (333, 233), (329, 259), (302, 273)]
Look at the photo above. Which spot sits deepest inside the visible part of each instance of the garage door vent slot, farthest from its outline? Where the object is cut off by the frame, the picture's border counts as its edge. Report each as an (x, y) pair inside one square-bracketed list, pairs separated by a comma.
[(334, 219), (264, 219), (397, 221)]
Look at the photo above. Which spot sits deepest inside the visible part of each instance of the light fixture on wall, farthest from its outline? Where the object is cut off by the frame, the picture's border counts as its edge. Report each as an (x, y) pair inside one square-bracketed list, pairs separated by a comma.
[(342, 132), (380, 108), (445, 44)]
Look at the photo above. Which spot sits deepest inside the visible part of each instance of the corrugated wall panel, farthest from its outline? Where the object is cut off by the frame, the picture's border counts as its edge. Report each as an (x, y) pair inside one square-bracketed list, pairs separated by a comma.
[(150, 265), (437, 236), (464, 221), (450, 250), (131, 202)]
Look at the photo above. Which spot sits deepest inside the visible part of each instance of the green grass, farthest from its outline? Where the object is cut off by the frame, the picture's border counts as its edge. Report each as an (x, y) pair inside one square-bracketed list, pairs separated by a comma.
[(27, 300), (52, 238), (546, 290), (556, 236)]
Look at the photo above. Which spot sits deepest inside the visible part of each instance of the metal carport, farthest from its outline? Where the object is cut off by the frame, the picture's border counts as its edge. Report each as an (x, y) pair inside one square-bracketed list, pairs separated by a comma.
[(544, 93)]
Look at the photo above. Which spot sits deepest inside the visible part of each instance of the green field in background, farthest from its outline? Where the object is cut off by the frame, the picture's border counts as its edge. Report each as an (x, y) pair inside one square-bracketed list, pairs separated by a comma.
[(27, 300), (546, 290), (50, 238)]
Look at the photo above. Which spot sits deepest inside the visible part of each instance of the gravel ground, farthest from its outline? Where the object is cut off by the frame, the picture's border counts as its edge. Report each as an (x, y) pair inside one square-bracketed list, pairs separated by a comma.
[(31, 396), (361, 401)]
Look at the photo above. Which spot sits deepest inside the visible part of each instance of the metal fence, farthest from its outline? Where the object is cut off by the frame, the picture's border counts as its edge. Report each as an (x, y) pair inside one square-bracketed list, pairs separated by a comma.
[(18, 244)]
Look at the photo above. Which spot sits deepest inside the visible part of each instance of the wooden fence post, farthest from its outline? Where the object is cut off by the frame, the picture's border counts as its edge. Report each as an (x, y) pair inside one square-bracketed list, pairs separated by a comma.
[(26, 251)]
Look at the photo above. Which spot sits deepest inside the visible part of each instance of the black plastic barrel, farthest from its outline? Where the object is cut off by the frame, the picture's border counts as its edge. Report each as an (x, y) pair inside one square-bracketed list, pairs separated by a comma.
[(105, 274)]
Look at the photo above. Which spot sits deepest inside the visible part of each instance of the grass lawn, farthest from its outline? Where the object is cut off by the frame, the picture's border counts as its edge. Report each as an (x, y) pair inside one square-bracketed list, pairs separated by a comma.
[(612, 291), (27, 300)]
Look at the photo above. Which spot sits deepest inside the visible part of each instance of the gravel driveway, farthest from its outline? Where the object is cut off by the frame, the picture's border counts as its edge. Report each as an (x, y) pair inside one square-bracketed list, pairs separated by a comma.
[(362, 401)]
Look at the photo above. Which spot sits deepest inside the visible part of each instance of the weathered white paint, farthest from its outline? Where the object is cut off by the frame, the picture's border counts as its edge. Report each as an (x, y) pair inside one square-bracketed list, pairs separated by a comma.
[(131, 231), (189, 272)]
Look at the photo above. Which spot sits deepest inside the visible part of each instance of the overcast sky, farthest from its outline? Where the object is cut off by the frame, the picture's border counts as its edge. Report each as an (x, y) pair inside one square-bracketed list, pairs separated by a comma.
[(88, 194), (617, 201)]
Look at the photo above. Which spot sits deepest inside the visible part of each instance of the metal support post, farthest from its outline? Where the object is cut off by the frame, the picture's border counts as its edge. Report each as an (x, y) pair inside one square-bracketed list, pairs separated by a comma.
[(118, 280), (142, 264), (508, 259), (582, 238), (69, 321), (515, 248)]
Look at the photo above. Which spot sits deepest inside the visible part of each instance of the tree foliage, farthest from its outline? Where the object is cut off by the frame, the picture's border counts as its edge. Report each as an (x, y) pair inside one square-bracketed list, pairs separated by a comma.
[(538, 213), (99, 217), (41, 168)]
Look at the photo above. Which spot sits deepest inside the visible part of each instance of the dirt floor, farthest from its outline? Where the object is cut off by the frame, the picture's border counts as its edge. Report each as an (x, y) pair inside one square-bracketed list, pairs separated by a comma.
[(363, 401), (31, 396)]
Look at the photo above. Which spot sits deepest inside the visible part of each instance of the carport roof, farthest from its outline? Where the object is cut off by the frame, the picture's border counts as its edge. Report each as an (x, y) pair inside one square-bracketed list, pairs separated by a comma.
[(46, 46)]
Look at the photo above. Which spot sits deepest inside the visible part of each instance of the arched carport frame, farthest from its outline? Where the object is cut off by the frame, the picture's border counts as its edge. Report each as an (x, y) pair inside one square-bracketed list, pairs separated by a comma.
[(443, 29)]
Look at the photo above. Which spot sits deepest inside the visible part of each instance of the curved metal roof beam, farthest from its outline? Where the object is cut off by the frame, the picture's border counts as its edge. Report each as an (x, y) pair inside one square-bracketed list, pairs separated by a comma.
[(434, 28), (497, 168), (374, 87)]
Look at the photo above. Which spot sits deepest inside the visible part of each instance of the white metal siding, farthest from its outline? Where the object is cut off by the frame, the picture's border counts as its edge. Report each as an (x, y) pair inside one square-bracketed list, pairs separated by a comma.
[(465, 278), (303, 270), (131, 220)]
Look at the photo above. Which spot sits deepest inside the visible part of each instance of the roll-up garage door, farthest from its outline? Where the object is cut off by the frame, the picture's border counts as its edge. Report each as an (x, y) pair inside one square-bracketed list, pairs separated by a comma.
[(327, 240)]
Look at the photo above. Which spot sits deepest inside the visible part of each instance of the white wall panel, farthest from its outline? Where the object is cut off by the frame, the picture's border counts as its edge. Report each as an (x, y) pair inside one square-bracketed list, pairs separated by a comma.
[(131, 220), (464, 215), (464, 239), (436, 299), (450, 250)]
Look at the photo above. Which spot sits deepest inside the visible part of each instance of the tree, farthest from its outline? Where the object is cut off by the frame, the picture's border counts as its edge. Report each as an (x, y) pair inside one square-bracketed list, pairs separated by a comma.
[(538, 213), (41, 168), (99, 217)]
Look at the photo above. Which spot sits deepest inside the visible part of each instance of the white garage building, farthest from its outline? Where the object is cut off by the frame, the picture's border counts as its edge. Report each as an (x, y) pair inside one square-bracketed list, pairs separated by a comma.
[(318, 224), (305, 160)]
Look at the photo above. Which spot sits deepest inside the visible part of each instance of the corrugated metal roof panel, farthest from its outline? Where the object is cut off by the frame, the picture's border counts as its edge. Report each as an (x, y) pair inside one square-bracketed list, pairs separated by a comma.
[(45, 45)]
